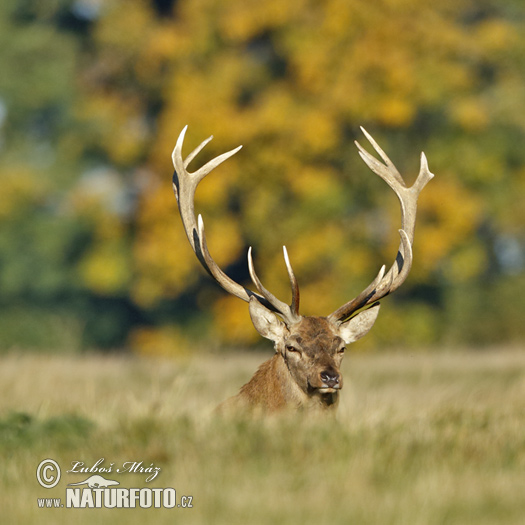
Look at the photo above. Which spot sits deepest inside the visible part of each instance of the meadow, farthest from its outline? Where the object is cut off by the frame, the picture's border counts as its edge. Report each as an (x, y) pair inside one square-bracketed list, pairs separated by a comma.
[(420, 438)]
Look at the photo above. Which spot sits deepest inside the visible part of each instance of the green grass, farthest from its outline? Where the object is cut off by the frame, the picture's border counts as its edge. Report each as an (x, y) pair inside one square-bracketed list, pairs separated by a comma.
[(419, 439)]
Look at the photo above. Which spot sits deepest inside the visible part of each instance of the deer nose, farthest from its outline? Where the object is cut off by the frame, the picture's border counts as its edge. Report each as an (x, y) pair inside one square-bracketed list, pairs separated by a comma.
[(330, 378)]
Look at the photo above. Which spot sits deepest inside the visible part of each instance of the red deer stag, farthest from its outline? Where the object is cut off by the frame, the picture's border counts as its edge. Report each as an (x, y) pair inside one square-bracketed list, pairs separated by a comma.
[(305, 370)]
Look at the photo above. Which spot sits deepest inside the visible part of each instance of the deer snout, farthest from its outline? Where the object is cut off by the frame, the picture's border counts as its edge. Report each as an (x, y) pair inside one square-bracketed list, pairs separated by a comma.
[(331, 378)]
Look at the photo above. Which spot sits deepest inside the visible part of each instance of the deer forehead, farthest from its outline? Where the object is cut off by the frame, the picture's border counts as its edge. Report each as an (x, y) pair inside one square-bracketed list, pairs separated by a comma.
[(315, 334)]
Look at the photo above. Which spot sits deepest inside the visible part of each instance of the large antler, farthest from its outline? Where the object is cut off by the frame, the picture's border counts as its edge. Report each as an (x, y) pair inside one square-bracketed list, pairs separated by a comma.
[(184, 186), (394, 278)]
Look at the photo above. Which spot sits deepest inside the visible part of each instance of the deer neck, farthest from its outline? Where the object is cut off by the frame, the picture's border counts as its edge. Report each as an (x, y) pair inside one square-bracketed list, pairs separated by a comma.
[(274, 388)]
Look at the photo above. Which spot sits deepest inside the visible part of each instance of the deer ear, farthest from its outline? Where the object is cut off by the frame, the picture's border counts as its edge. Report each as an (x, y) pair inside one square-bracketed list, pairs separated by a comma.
[(359, 325), (265, 321)]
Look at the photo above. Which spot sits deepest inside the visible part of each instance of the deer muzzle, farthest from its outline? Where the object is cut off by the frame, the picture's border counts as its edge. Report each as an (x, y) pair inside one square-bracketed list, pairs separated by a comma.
[(329, 381)]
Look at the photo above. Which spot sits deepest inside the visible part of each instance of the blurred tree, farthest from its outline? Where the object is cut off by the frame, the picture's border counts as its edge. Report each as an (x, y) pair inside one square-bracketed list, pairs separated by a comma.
[(94, 94), (64, 249), (292, 81)]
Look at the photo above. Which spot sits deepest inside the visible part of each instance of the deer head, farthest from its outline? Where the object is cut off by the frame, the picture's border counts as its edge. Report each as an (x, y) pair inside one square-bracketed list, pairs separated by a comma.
[(309, 350)]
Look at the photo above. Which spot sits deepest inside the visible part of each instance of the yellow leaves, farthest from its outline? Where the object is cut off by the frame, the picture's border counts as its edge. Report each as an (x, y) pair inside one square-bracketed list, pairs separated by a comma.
[(164, 341), (354, 265), (318, 130), (307, 62), (21, 187), (448, 216), (496, 35), (317, 297), (158, 49), (273, 110), (319, 243), (105, 269), (471, 114), (164, 260), (242, 21), (207, 98), (291, 81), (214, 190), (340, 17), (224, 239), (232, 321), (315, 184), (122, 23), (321, 263), (162, 255), (120, 123), (374, 62), (396, 112)]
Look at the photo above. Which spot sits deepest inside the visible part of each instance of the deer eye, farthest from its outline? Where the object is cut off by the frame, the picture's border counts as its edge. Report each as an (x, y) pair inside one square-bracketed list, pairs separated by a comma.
[(341, 350), (290, 348)]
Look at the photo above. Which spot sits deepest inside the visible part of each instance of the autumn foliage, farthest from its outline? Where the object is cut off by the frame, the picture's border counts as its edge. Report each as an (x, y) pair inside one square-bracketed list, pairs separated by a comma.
[(292, 81)]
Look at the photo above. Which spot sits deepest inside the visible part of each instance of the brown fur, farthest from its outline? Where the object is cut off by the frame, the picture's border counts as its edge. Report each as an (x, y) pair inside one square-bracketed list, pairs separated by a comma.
[(292, 379), (272, 389)]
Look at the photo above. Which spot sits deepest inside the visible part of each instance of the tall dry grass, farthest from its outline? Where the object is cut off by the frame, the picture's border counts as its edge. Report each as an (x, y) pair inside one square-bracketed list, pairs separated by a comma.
[(419, 439)]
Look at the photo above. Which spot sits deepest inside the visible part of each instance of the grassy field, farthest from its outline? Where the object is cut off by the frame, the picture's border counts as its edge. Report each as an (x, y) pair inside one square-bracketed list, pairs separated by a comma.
[(419, 439)]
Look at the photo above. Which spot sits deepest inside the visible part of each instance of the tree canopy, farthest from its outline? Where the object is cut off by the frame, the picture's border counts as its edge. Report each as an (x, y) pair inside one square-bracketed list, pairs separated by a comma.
[(93, 96)]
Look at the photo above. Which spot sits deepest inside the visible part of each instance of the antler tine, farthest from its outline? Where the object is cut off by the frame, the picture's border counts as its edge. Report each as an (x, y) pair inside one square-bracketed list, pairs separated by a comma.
[(407, 196), (424, 175), (361, 300), (184, 186), (181, 165), (213, 163), (389, 172), (213, 269), (176, 155), (197, 150), (398, 272), (293, 282), (288, 312)]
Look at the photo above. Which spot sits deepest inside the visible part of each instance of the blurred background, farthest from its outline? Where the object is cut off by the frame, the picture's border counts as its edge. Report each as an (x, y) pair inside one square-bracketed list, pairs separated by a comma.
[(94, 93)]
